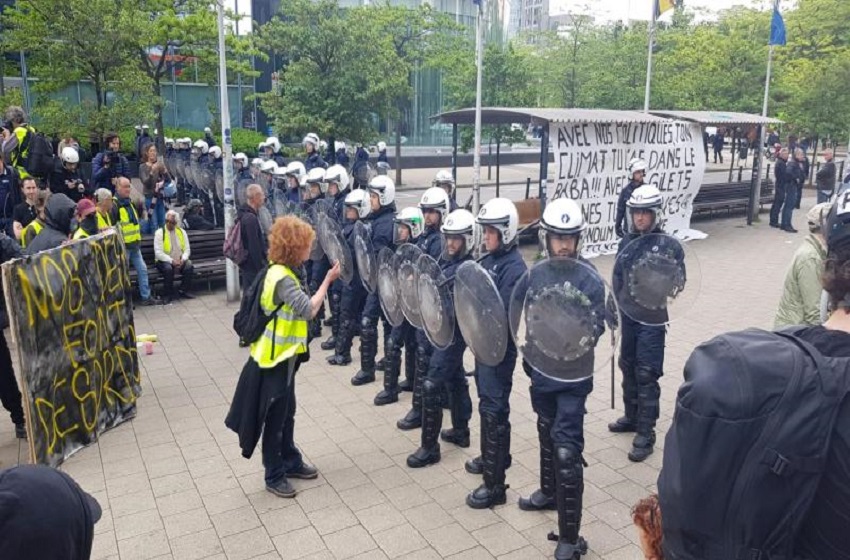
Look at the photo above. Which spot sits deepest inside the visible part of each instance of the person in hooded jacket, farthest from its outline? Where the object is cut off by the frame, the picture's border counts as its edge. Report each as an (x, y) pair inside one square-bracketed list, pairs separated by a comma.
[(86, 219), (498, 220), (58, 219)]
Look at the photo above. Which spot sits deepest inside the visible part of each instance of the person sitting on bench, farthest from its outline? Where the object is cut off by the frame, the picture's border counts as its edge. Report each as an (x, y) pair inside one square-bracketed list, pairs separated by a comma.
[(171, 250)]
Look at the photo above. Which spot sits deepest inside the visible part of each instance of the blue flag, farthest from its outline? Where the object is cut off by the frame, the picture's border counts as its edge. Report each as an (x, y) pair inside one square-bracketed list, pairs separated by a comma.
[(777, 28)]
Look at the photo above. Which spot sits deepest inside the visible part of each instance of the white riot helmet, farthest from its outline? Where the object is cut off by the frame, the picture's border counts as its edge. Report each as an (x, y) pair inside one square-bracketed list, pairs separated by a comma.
[(311, 138), (169, 142), (359, 200), (269, 167), (644, 198), (241, 158), (561, 217), (384, 187), (501, 214), (636, 164), (339, 146), (323, 146), (316, 176), (256, 162), (411, 218), (459, 222), (187, 141), (336, 174), (70, 155), (207, 130), (445, 180), (435, 198), (382, 146), (273, 143), (261, 148), (215, 152), (296, 169), (201, 146)]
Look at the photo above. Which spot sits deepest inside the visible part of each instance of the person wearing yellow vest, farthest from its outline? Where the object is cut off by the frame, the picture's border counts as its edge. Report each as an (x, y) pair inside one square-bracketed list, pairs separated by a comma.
[(105, 203), (128, 222), (86, 219), (264, 401), (171, 250), (14, 132)]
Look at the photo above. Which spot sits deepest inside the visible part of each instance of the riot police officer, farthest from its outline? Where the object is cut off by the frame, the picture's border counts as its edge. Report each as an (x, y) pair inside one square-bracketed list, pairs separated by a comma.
[(435, 207), (558, 396), (642, 347), (637, 172), (409, 226), (357, 208), (318, 264), (497, 221), (381, 191), (445, 369), (311, 146), (294, 174), (446, 181), (336, 179)]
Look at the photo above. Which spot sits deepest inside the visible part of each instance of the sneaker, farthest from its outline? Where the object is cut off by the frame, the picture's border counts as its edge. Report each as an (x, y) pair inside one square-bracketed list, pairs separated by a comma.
[(282, 489), (305, 472), (21, 431)]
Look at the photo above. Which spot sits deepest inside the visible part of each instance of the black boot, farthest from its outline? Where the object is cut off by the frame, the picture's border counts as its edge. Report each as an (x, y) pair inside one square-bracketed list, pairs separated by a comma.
[(406, 384), (460, 407), (628, 422), (432, 421), (569, 489), (330, 343), (649, 394), (622, 425), (368, 349), (496, 445), (544, 497), (393, 364), (381, 364), (342, 353), (475, 465), (413, 418)]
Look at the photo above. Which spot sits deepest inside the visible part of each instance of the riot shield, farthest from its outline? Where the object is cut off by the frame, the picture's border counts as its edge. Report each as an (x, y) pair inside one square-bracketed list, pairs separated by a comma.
[(656, 279), (436, 304), (364, 252), (480, 313), (170, 161), (218, 181), (407, 256), (563, 319), (195, 173), (388, 292)]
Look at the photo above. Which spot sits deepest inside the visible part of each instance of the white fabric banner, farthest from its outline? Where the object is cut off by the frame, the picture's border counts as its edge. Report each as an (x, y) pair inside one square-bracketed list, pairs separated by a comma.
[(591, 162)]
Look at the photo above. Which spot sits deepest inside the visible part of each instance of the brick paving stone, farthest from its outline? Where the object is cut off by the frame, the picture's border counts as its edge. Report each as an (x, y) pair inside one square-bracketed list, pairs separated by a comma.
[(399, 542), (350, 542), (247, 544), (196, 545)]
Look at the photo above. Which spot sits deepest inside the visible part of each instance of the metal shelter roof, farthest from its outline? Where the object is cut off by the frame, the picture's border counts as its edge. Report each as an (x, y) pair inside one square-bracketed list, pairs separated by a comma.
[(510, 115), (713, 118)]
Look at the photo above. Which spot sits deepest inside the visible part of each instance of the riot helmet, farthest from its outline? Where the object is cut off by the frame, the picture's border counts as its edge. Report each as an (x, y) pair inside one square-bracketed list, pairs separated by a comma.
[(644, 209), (501, 215), (637, 165), (315, 182), (561, 227), (445, 181), (437, 200), (215, 152), (200, 147), (409, 225), (384, 188), (460, 224), (336, 177), (358, 202)]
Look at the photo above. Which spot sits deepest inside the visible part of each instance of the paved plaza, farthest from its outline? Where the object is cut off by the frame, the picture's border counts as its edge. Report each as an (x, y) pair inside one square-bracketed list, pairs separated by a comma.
[(173, 484)]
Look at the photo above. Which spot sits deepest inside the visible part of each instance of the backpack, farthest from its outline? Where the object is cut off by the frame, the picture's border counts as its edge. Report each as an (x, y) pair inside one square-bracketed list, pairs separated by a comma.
[(40, 159), (250, 321), (748, 444), (233, 247)]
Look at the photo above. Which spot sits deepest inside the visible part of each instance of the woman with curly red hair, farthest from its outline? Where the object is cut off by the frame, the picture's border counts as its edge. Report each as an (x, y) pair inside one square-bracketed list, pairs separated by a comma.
[(646, 515), (264, 401)]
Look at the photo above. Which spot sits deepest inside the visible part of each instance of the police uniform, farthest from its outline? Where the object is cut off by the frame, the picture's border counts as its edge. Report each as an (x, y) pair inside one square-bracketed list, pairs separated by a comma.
[(352, 299), (335, 293)]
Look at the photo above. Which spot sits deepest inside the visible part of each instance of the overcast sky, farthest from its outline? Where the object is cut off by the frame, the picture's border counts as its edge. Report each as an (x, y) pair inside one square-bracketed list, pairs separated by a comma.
[(638, 9)]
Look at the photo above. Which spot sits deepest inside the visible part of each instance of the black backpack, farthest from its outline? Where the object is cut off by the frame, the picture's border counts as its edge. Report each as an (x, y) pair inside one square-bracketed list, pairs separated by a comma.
[(748, 444), (250, 321), (40, 159)]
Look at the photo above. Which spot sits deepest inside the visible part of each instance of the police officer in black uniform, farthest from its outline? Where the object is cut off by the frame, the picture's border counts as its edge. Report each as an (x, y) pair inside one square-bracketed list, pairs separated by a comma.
[(637, 172), (336, 179)]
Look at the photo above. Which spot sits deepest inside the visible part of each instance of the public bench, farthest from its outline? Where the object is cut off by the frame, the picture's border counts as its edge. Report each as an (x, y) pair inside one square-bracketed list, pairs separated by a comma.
[(207, 257), (729, 196)]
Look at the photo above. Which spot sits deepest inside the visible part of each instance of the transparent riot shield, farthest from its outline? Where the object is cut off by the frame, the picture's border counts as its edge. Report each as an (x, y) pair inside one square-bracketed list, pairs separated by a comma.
[(388, 292), (367, 260), (436, 305), (407, 257), (480, 313)]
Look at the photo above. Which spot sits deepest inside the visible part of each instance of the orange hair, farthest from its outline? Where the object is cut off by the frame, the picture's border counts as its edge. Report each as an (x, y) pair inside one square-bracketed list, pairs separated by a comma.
[(289, 239), (646, 514)]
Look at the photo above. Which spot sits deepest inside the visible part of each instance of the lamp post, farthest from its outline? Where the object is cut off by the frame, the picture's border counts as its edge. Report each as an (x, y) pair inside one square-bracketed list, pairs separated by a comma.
[(227, 154)]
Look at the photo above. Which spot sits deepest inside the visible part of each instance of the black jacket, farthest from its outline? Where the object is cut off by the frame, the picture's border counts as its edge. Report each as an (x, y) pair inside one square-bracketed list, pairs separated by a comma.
[(797, 173), (781, 174), (625, 195), (9, 249), (10, 196), (58, 182), (58, 215), (252, 239), (196, 222), (826, 177)]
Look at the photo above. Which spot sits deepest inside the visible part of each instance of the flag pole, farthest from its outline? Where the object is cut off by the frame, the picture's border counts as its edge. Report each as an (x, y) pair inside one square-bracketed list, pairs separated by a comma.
[(754, 211), (649, 57)]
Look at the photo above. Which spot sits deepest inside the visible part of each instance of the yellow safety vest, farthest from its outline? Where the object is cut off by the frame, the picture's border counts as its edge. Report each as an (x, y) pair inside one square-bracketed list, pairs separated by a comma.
[(132, 232), (103, 221), (166, 240), (31, 231), (18, 156), (285, 335), (80, 233)]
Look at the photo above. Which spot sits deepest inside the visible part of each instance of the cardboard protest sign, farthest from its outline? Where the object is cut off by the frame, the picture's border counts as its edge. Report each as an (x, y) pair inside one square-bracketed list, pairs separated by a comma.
[(591, 165), (72, 321)]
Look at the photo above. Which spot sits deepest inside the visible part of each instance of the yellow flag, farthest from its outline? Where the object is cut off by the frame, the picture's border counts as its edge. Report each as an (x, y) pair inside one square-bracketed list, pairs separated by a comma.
[(662, 6)]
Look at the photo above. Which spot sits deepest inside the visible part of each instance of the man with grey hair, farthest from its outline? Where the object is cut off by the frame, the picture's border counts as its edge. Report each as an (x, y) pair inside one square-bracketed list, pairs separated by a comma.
[(825, 177), (253, 239), (105, 203), (801, 297), (171, 251)]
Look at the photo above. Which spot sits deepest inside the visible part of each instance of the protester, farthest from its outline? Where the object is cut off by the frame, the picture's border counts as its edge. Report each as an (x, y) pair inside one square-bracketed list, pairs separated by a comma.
[(784, 192), (25, 212), (253, 239), (34, 227), (825, 177), (67, 178), (193, 217), (266, 389), (86, 219), (800, 302), (646, 515), (105, 205), (152, 174), (58, 219), (108, 165), (14, 132), (10, 395), (45, 515), (126, 217), (172, 251), (10, 197)]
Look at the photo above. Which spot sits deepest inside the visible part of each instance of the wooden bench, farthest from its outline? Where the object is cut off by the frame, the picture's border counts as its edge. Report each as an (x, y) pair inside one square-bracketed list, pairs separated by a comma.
[(729, 196), (207, 257)]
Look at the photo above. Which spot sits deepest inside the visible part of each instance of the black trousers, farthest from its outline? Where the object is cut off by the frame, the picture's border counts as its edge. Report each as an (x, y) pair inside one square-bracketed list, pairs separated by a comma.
[(10, 395), (187, 273)]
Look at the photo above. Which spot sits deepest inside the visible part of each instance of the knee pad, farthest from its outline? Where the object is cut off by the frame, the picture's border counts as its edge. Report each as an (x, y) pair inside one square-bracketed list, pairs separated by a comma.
[(569, 463), (544, 427), (647, 376), (368, 323), (431, 387)]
